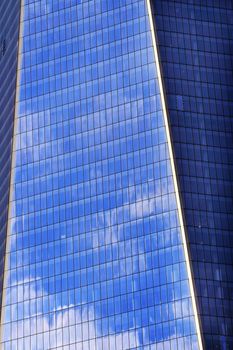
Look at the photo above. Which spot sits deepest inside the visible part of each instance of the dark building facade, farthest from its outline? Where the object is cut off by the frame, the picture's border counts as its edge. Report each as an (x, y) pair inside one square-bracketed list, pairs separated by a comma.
[(195, 43), (9, 33), (116, 189)]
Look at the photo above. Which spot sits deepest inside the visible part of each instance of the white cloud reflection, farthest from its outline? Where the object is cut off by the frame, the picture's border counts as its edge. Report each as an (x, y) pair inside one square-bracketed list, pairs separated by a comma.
[(64, 326)]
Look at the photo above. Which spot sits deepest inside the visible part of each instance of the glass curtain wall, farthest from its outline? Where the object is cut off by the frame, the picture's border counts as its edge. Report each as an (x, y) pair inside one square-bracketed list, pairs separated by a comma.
[(95, 258)]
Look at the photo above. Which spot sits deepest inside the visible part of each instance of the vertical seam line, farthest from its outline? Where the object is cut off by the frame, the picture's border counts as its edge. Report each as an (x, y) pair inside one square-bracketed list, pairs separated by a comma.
[(6, 262), (175, 181)]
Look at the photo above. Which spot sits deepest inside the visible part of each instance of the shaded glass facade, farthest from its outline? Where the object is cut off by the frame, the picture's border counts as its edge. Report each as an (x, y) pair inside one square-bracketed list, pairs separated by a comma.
[(9, 32), (196, 44), (95, 258)]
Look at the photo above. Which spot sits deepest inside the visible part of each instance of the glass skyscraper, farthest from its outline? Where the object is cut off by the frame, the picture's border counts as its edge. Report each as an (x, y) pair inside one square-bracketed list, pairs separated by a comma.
[(116, 182)]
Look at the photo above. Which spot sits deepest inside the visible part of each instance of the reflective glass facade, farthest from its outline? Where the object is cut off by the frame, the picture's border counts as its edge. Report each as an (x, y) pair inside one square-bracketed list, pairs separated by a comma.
[(95, 258), (196, 44)]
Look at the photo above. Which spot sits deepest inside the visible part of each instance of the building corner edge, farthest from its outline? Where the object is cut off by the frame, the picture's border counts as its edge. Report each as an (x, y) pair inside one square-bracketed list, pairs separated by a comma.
[(175, 177), (21, 4)]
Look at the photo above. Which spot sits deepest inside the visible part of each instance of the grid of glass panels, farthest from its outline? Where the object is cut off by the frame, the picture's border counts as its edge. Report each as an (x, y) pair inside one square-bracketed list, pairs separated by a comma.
[(9, 33), (196, 45), (95, 258)]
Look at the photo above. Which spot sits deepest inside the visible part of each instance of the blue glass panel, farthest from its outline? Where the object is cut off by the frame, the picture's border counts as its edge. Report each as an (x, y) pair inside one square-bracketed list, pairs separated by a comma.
[(95, 256), (9, 33), (195, 43)]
